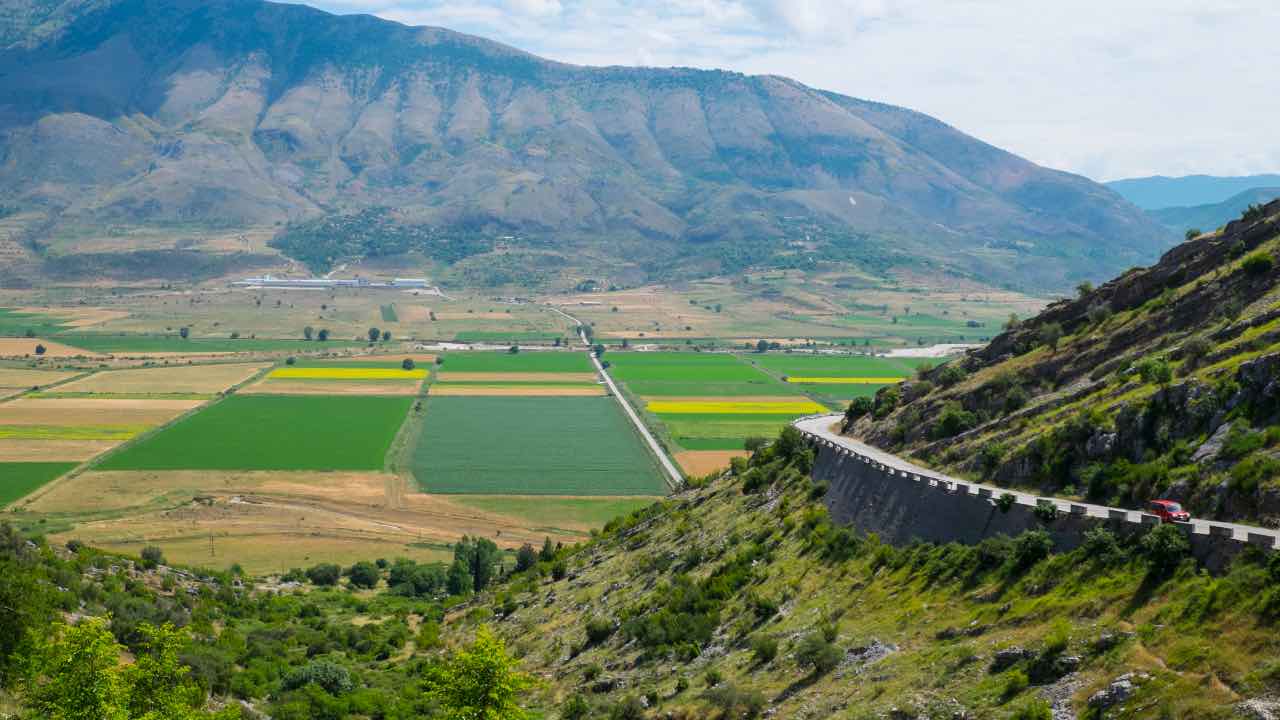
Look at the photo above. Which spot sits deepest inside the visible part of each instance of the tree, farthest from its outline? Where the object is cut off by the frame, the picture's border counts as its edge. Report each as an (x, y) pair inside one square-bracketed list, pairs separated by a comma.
[(1051, 334), (859, 407), (514, 350), (364, 574), (77, 675), (818, 654), (599, 350), (25, 608), (1084, 288), (1192, 233), (152, 556), (762, 346), (407, 364), (1258, 263), (478, 555), (386, 336), (159, 686), (1012, 322), (374, 334), (40, 349), (184, 332), (526, 557), (481, 682), (459, 581), (308, 332), (1155, 371), (548, 551), (323, 335), (324, 574)]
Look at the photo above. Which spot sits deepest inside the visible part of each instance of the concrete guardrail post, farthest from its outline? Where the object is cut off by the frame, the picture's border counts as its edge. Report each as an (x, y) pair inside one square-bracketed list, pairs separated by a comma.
[(1186, 527), (1121, 515), (986, 493), (1079, 510), (1221, 531), (962, 488), (1262, 540), (1149, 519)]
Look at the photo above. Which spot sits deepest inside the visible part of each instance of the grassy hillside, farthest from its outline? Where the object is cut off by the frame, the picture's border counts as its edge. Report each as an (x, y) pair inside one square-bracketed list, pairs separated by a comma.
[(1163, 382), (740, 598)]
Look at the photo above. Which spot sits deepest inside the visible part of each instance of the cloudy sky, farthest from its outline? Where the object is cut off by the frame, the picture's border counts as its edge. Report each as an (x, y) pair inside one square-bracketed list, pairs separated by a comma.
[(1106, 88)]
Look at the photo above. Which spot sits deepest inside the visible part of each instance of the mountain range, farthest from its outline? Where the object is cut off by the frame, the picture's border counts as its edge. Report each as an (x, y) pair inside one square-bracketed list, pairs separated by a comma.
[(1212, 215), (140, 136), (1159, 191)]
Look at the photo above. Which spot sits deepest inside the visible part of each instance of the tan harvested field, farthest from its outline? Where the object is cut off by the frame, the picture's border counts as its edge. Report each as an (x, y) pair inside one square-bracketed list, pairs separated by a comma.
[(78, 317), (22, 347), (26, 379), (95, 412), (517, 390), (722, 398), (498, 377), (182, 379), (12, 450), (413, 314), (701, 462), (473, 315), (278, 386), (297, 515), (417, 358)]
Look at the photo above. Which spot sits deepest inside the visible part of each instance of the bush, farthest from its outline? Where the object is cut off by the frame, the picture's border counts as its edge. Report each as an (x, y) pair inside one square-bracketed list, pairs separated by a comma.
[(1015, 681), (330, 677), (951, 374), (754, 443), (1100, 545), (364, 574), (1046, 512), (1194, 351), (1030, 548), (1255, 211), (764, 649), (575, 708), (1032, 709), (1165, 547), (1006, 501), (598, 630), (526, 557), (559, 570), (953, 420), (152, 556), (735, 702), (1258, 263), (713, 678), (818, 654), (629, 708), (408, 364), (324, 574), (860, 407), (1155, 371)]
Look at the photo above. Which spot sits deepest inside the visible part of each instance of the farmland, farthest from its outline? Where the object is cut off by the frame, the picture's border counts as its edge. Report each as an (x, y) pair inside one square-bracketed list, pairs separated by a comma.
[(20, 479), (837, 379), (192, 379), (531, 446), (270, 432), (522, 362)]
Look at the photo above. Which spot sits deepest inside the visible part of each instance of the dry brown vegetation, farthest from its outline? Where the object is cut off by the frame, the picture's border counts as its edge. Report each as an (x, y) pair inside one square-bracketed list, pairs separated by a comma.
[(697, 463), (23, 347), (95, 412), (180, 379)]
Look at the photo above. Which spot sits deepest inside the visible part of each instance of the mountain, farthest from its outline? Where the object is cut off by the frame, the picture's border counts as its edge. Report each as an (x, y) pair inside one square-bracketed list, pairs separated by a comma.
[(1154, 193), (1164, 382), (1214, 215), (134, 133)]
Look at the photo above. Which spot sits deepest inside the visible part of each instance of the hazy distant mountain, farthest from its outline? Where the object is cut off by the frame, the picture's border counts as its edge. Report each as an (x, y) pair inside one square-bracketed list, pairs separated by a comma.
[(1153, 193), (120, 117), (1214, 215)]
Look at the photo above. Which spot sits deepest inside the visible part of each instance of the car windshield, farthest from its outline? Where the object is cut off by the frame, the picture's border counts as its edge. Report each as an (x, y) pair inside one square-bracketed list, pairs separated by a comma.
[(1173, 507)]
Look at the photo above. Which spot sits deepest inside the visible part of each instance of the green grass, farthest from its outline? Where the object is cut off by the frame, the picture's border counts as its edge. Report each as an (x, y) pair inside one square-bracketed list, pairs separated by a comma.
[(672, 374), (272, 432), (306, 362), (835, 365), (499, 336), (64, 432), (389, 313), (172, 343), (531, 446), (549, 512), (527, 361), (17, 480), (721, 432)]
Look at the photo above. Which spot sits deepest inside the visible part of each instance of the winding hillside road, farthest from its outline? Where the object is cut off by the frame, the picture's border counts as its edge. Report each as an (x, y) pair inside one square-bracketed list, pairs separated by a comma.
[(823, 427)]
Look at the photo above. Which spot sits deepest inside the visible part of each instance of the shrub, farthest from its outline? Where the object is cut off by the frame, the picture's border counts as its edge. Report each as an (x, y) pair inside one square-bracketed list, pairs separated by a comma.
[(1006, 501), (953, 420), (713, 677), (1050, 334), (1155, 371), (629, 708), (526, 557), (1100, 545), (1248, 474), (1255, 211), (575, 708), (559, 570), (682, 684), (1032, 709), (1192, 233), (764, 649), (324, 574), (1258, 263), (330, 677), (818, 654), (951, 374), (598, 630), (735, 702), (1015, 681), (1015, 399), (858, 408), (1165, 547), (364, 574), (408, 364), (1194, 350), (592, 671), (1030, 548), (886, 401), (1046, 512), (152, 556)]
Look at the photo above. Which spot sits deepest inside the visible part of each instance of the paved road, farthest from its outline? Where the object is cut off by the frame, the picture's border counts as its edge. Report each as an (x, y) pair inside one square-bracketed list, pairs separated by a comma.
[(826, 427), (671, 474)]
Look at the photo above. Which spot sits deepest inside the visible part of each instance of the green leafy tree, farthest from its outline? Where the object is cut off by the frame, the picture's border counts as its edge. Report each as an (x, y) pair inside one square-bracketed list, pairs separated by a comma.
[(159, 686), (374, 334), (386, 336), (324, 574), (481, 682), (1084, 288), (364, 574), (407, 364), (526, 557), (1192, 233), (308, 332), (1155, 371), (459, 581), (184, 333), (1051, 335), (40, 349), (25, 609), (762, 346), (77, 676), (323, 335), (548, 551)]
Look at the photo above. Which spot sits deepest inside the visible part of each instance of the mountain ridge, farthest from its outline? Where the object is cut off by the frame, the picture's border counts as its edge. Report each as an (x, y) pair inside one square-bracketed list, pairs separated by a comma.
[(243, 114)]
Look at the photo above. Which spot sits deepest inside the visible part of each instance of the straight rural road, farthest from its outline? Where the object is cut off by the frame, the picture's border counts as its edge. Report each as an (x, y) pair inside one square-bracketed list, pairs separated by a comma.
[(672, 475), (822, 427)]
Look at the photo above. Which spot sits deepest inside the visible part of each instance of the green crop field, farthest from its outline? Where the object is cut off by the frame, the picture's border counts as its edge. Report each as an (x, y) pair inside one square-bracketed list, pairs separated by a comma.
[(105, 343), (274, 432), (721, 432), (834, 365), (532, 446), (13, 323), (526, 361), (389, 313), (691, 374), (18, 480), (501, 336), (556, 513)]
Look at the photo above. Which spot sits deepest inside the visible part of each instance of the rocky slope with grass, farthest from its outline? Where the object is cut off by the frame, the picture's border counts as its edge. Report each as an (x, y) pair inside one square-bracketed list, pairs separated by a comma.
[(1163, 382), (739, 598)]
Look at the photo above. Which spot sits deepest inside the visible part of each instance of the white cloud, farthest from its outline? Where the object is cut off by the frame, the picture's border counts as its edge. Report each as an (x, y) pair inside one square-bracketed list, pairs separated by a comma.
[(1098, 87)]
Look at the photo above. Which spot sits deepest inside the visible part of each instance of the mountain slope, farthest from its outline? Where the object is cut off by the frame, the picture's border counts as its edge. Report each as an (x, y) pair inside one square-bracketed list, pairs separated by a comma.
[(1154, 193), (1214, 215), (234, 114), (1162, 382)]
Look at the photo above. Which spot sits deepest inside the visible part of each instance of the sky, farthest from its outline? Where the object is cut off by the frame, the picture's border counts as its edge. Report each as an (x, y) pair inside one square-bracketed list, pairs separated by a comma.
[(1105, 88)]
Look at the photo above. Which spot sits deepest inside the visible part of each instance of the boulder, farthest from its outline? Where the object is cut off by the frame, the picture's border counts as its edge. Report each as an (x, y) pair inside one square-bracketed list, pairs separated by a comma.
[(1008, 657), (1100, 445), (1259, 709), (1211, 448), (1118, 691)]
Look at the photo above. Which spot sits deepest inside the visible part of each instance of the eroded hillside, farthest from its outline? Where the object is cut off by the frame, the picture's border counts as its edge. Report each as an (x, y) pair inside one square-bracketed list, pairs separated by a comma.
[(1163, 382)]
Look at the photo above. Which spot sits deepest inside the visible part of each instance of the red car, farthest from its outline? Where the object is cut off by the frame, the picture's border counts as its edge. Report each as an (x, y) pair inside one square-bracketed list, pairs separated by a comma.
[(1168, 510)]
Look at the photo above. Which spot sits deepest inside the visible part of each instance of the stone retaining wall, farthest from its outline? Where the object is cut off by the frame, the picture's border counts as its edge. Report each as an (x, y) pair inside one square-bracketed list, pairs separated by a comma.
[(901, 507)]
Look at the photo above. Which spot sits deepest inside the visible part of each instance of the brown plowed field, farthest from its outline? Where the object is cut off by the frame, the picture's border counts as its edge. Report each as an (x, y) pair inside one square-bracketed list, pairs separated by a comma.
[(701, 462), (75, 412)]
